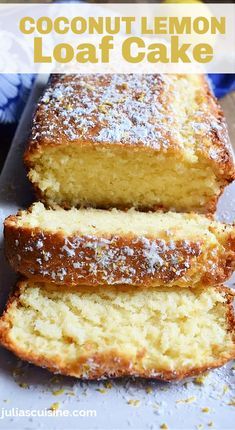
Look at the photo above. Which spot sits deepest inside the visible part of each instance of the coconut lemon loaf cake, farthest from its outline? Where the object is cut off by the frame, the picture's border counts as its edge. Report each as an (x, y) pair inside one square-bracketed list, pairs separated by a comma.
[(94, 246), (144, 141), (167, 334)]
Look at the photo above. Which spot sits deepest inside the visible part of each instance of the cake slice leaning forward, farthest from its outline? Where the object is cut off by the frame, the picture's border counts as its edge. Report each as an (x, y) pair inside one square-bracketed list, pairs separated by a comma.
[(143, 141), (93, 247), (164, 334)]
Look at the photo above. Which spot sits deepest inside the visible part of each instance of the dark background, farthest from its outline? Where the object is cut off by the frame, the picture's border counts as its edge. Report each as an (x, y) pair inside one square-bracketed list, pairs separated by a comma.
[(7, 133)]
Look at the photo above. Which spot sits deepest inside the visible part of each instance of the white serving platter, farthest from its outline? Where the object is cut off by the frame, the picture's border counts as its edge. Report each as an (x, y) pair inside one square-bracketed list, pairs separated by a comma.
[(128, 403)]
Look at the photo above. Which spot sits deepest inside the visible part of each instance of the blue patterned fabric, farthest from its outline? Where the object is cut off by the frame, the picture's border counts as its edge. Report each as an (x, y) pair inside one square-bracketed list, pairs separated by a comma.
[(14, 90), (222, 84)]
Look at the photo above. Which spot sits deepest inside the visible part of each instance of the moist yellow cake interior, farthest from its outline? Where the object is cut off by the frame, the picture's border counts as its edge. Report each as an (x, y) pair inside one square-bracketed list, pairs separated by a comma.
[(122, 177), (173, 330), (95, 221)]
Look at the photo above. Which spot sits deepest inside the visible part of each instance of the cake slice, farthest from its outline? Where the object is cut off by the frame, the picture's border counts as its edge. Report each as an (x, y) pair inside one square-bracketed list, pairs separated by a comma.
[(144, 141), (162, 334), (93, 247)]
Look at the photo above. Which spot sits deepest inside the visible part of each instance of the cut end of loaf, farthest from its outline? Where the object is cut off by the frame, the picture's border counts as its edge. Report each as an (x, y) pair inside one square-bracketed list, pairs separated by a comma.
[(110, 332), (103, 177), (130, 141)]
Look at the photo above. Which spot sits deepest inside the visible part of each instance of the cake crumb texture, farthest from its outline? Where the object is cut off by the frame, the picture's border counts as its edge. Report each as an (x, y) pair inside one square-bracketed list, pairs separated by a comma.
[(153, 333)]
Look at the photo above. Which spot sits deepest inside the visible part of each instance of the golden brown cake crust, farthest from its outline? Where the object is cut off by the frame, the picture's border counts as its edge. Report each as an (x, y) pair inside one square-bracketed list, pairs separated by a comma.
[(90, 110), (112, 364), (55, 121), (116, 259)]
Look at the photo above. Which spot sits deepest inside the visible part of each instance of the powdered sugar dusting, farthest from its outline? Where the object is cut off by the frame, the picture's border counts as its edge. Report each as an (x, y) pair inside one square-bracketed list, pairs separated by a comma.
[(108, 108), (115, 260), (151, 110)]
